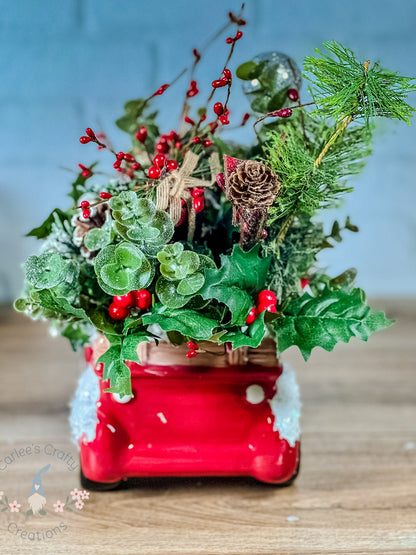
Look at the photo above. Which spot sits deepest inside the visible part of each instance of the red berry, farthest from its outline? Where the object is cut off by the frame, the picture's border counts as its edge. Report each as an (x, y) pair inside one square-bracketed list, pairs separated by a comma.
[(136, 166), (191, 354), (161, 89), (193, 89), (251, 316), (154, 172), (159, 160), (266, 297), (90, 132), (142, 299), (120, 155), (85, 204), (227, 73), (84, 140), (293, 95), (229, 40), (192, 346), (304, 282), (241, 22), (187, 119), (173, 136), (196, 140), (207, 142), (117, 164), (264, 234), (172, 165), (178, 145), (284, 113), (213, 125), (218, 108), (197, 54), (198, 192), (199, 204), (86, 213), (203, 117), (262, 307), (224, 119), (238, 35), (105, 195), (117, 312), (246, 117), (129, 158), (123, 301), (162, 148), (219, 83)]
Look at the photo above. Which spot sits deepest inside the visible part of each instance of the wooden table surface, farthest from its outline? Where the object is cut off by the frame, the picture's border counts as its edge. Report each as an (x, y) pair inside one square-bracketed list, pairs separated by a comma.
[(356, 492)]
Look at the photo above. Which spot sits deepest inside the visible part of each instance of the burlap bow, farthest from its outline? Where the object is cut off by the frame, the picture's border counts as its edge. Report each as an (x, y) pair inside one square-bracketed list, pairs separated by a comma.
[(173, 188)]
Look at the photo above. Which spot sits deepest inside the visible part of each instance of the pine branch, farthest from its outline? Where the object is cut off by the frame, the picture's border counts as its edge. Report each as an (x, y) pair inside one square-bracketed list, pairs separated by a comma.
[(346, 87)]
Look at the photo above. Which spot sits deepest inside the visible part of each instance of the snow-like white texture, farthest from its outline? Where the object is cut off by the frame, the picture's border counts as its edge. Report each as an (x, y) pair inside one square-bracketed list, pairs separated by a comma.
[(286, 406), (83, 417)]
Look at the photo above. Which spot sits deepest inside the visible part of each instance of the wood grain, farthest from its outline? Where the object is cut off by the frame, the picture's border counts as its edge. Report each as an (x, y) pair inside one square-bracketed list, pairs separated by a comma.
[(356, 492)]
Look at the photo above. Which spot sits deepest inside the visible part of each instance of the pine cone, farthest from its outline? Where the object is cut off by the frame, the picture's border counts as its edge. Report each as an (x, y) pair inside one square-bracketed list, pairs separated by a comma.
[(251, 185), (81, 227)]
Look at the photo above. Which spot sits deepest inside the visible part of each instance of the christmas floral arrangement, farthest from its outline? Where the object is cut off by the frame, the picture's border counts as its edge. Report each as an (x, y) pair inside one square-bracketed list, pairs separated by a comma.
[(200, 240)]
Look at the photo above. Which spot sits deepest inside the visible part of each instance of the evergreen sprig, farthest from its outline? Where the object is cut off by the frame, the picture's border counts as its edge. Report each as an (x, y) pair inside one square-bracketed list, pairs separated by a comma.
[(347, 87)]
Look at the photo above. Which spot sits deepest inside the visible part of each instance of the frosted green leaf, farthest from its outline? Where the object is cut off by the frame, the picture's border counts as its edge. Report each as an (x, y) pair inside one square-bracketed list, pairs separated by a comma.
[(129, 256), (98, 238), (45, 271), (168, 294), (146, 210), (191, 284)]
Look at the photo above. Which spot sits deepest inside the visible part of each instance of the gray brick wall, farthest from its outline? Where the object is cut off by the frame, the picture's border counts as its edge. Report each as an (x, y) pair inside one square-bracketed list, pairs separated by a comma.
[(66, 64)]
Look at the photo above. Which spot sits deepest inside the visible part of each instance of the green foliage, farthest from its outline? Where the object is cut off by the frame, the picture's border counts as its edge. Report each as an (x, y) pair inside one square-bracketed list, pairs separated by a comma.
[(189, 323), (45, 228), (136, 115), (115, 369), (122, 268), (252, 336), (182, 275), (240, 277), (138, 221), (344, 87), (99, 237), (78, 187), (324, 321), (266, 97), (304, 187)]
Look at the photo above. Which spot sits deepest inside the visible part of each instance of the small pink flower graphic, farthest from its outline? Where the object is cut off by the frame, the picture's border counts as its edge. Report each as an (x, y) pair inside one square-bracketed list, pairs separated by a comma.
[(85, 494), (76, 494), (79, 504), (59, 506), (15, 506)]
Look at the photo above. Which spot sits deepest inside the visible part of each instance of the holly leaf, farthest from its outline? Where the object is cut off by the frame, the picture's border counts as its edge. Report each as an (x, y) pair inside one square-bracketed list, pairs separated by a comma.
[(324, 321), (130, 344), (252, 337), (46, 227), (120, 379), (187, 322), (241, 274)]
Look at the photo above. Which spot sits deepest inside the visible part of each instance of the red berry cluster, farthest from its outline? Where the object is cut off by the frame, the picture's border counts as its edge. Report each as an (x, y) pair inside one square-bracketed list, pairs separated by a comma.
[(193, 347), (283, 113), (161, 163), (85, 172), (164, 141), (193, 89), (141, 135), (86, 212), (266, 300), (223, 81), (161, 90), (88, 137), (124, 156), (119, 309), (199, 199), (231, 40)]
